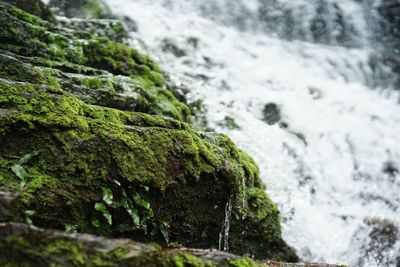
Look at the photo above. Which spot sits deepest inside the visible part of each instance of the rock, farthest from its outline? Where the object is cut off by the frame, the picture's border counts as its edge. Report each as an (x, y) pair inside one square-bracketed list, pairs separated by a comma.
[(35, 7), (271, 113), (86, 9), (326, 22), (110, 28), (86, 63), (78, 155), (377, 239), (386, 23), (21, 244), (230, 123), (169, 46), (131, 24)]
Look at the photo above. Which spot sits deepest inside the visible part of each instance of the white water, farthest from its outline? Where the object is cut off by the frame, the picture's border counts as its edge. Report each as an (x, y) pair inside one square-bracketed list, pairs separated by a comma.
[(325, 171)]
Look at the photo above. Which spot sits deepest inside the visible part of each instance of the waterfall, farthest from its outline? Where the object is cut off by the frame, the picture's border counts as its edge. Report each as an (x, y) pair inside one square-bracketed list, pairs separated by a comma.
[(330, 68)]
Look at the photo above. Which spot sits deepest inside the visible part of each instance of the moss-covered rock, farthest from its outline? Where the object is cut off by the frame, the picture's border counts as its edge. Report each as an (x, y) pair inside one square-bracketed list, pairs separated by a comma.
[(72, 157), (35, 7), (22, 245), (126, 174), (87, 9), (98, 70)]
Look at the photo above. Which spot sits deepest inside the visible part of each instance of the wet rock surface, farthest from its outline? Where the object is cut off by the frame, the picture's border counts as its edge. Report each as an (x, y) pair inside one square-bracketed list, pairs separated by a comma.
[(24, 244), (86, 9), (271, 113)]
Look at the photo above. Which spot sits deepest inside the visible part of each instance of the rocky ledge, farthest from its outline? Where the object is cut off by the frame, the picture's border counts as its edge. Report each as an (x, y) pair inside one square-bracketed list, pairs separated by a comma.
[(26, 245), (95, 139)]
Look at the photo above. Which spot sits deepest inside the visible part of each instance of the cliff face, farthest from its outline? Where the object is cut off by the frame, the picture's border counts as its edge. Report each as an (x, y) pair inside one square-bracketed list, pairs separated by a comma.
[(94, 140)]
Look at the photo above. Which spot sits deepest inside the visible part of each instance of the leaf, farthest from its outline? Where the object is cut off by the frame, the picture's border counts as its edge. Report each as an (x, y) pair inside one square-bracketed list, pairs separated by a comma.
[(20, 172), (140, 201), (165, 234), (28, 214), (96, 223), (71, 228), (103, 209), (100, 207), (134, 213), (28, 157), (146, 188), (108, 196), (123, 192), (136, 197), (108, 217), (164, 229)]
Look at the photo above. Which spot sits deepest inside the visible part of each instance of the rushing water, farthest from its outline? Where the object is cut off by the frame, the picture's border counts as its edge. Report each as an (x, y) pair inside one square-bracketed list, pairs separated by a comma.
[(303, 88)]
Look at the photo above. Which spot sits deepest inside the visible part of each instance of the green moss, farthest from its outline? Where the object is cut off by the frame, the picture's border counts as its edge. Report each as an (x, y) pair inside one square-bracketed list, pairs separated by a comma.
[(95, 9), (119, 59), (183, 260), (93, 83), (49, 249), (55, 48), (229, 123), (35, 7), (70, 132), (19, 251), (86, 9), (245, 262)]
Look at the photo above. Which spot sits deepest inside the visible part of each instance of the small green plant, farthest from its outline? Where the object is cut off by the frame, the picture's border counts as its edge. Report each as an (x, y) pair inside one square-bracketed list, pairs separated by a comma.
[(138, 209), (28, 216), (103, 209), (71, 228), (19, 171), (108, 196), (164, 229), (96, 223)]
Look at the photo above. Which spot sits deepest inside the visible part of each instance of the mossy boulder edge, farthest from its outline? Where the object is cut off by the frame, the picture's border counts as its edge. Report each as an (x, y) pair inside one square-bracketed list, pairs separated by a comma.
[(32, 246)]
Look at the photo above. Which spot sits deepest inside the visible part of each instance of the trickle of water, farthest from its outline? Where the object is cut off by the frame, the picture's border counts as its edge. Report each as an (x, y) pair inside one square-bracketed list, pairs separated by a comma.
[(223, 244), (244, 193)]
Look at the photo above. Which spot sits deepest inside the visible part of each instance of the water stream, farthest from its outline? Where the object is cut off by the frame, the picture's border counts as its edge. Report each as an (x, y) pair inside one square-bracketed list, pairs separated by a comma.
[(314, 97), (223, 243)]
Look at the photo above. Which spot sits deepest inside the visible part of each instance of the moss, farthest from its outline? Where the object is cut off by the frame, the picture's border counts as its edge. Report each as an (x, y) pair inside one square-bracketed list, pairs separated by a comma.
[(257, 230), (245, 262), (93, 83), (86, 148), (52, 249), (183, 260), (229, 123), (53, 47), (119, 59), (35, 7), (20, 251), (85, 29), (87, 9)]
